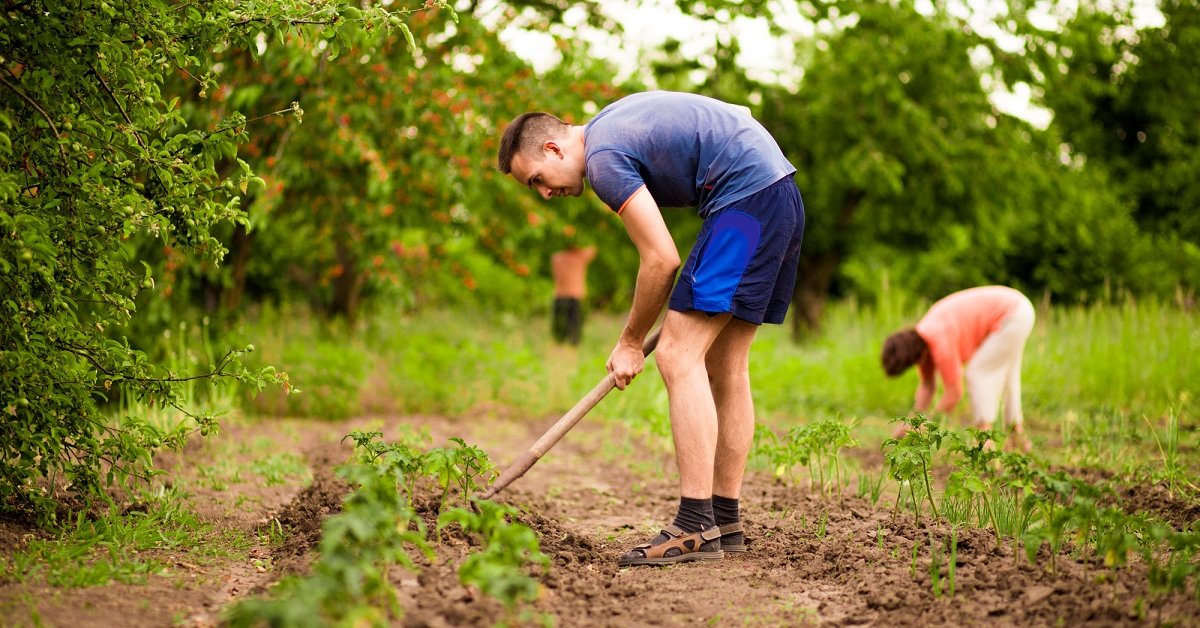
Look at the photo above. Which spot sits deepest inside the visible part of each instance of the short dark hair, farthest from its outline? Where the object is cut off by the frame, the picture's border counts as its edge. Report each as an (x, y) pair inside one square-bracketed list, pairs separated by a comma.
[(526, 134), (902, 350)]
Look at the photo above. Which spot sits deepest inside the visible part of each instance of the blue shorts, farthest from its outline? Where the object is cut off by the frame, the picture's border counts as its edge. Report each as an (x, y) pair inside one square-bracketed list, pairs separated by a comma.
[(744, 260)]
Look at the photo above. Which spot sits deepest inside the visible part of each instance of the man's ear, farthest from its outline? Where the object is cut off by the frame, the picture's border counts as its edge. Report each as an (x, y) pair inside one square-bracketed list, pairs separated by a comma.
[(552, 146)]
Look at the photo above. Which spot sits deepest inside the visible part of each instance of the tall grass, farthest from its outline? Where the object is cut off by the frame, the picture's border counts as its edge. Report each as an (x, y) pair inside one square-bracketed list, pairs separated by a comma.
[(1093, 375), (1138, 356)]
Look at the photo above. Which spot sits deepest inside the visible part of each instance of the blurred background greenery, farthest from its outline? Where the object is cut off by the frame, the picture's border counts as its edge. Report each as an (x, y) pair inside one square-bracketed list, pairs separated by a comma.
[(318, 179), (386, 196)]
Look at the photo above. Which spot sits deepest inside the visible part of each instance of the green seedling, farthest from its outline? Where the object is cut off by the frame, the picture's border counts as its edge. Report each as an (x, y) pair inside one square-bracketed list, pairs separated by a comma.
[(952, 564), (935, 565), (816, 446), (461, 467), (400, 459), (498, 570), (910, 457), (1171, 557), (912, 565), (350, 584)]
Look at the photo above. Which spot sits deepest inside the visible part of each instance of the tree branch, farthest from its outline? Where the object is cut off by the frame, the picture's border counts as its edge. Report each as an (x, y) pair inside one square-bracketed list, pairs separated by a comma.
[(120, 108), (33, 103)]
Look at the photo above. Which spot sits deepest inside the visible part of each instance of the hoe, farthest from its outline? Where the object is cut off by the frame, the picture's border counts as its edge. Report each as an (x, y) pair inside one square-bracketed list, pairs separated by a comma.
[(561, 427)]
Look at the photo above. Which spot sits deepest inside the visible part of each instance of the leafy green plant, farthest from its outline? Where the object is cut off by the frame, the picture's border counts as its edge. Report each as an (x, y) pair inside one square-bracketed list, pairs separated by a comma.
[(1001, 505), (462, 466), (101, 165), (1171, 559), (816, 446), (349, 584), (498, 569), (405, 462), (910, 457)]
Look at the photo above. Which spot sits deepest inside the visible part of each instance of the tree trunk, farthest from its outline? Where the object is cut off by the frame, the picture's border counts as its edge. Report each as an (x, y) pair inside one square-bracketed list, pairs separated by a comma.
[(347, 287), (816, 273), (239, 259), (812, 291)]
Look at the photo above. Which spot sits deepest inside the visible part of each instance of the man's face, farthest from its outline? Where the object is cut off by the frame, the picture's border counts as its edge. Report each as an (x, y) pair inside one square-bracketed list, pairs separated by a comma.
[(553, 173)]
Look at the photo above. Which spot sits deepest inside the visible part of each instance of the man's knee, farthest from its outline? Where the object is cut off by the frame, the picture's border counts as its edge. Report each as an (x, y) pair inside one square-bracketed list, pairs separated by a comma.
[(674, 361)]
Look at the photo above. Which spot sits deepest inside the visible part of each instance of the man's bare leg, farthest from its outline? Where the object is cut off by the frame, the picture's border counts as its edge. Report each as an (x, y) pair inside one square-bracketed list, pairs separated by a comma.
[(728, 364), (686, 339)]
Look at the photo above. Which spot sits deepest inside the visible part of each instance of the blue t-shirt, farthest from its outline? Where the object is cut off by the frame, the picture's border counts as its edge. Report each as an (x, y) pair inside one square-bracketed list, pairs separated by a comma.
[(688, 150)]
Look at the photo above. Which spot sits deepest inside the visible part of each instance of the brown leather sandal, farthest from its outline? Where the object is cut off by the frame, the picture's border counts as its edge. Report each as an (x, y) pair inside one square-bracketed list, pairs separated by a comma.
[(677, 547), (731, 546)]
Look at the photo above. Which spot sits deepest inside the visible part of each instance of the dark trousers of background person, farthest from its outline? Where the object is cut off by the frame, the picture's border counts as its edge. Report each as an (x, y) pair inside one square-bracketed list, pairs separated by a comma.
[(567, 321)]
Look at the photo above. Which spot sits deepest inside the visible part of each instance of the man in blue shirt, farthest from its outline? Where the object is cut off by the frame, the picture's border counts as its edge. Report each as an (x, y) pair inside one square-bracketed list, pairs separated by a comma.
[(668, 149)]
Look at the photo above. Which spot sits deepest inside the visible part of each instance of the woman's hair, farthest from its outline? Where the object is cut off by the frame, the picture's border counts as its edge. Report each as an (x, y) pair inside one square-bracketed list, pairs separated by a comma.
[(902, 350), (526, 134)]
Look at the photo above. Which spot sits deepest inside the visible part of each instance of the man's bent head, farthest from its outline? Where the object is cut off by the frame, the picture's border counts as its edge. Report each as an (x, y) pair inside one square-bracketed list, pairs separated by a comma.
[(527, 135), (544, 154)]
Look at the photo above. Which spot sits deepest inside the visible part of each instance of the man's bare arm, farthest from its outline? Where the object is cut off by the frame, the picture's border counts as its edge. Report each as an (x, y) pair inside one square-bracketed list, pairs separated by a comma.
[(659, 260)]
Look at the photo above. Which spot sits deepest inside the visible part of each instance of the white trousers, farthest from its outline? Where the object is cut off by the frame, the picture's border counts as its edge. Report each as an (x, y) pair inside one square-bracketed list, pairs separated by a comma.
[(994, 372)]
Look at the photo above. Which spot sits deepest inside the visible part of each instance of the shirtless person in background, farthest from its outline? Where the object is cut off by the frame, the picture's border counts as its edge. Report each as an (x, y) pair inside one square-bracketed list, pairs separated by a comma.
[(569, 269)]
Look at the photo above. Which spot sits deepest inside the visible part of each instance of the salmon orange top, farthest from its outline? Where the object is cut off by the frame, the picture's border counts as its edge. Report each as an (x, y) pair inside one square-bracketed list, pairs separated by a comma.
[(954, 327)]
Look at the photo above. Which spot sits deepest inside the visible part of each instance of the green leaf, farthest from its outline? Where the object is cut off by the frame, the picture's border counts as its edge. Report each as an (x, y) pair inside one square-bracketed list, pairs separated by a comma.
[(408, 36)]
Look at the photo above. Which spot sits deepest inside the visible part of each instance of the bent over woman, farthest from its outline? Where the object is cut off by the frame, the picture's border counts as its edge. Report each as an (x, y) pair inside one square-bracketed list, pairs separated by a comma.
[(984, 329)]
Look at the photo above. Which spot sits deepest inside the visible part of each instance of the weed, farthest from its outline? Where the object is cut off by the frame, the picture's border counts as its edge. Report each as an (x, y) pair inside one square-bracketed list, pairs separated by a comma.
[(1174, 473), (870, 486), (278, 468), (952, 563), (912, 565), (822, 524), (935, 565), (274, 534), (113, 547)]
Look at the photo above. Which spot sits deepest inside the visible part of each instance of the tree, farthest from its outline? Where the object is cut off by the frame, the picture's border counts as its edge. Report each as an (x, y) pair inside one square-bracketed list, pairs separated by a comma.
[(1125, 103), (912, 177), (389, 190), (96, 159)]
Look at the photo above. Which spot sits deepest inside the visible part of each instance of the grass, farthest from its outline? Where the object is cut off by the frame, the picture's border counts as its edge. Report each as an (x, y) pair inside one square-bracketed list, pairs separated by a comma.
[(122, 547), (1095, 378)]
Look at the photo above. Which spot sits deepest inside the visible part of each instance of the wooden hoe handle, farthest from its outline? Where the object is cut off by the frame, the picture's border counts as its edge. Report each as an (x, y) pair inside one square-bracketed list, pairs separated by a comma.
[(562, 426)]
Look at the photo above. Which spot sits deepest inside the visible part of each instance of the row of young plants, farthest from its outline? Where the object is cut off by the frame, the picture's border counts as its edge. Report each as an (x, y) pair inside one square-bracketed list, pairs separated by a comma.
[(381, 528), (1008, 493)]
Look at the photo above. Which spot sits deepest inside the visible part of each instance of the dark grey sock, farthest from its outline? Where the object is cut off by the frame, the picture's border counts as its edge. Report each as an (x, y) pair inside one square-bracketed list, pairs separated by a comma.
[(725, 510), (695, 515)]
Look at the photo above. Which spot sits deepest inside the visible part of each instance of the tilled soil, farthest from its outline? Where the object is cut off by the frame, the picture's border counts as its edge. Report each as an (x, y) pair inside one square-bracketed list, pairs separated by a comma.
[(813, 559)]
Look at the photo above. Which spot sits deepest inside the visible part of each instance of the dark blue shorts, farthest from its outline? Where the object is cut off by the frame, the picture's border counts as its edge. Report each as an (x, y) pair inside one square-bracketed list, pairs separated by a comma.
[(744, 260)]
